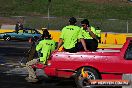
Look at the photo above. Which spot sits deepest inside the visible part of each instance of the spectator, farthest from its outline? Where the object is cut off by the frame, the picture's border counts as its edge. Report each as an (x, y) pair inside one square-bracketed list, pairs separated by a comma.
[(32, 51), (69, 37), (18, 27)]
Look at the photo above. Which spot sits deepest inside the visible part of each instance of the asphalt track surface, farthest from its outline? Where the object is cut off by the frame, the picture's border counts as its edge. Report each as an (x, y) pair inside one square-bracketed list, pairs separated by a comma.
[(12, 74)]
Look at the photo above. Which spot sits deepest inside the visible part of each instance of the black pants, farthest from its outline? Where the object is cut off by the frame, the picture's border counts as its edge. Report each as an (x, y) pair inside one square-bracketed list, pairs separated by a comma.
[(32, 52), (72, 50), (91, 45)]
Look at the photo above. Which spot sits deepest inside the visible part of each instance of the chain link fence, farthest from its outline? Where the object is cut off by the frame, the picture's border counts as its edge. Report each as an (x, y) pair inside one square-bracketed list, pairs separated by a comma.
[(57, 23)]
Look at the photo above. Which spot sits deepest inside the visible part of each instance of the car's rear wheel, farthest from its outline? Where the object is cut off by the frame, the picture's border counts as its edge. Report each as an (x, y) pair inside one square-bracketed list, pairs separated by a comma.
[(7, 38), (81, 81)]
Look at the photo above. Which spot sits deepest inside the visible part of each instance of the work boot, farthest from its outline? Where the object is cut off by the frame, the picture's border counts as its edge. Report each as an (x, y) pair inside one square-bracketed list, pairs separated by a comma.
[(33, 80), (23, 64)]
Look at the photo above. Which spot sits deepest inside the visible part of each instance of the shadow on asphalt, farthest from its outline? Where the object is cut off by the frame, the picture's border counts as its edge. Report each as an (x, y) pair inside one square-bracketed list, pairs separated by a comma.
[(16, 81)]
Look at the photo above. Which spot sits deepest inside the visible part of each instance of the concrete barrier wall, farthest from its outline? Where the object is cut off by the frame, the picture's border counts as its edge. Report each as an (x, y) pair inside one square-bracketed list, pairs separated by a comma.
[(106, 38), (113, 38), (6, 30)]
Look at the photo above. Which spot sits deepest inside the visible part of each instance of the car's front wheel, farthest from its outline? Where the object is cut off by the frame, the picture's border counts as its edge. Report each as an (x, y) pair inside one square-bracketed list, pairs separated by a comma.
[(82, 82), (7, 38)]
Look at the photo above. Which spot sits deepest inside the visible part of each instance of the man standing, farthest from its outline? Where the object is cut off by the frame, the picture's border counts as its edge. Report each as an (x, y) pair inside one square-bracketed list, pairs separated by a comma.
[(18, 27), (70, 36), (89, 34)]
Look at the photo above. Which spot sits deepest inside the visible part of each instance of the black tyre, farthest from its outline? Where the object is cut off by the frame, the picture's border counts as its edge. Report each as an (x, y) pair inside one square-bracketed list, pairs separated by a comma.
[(7, 38), (80, 81)]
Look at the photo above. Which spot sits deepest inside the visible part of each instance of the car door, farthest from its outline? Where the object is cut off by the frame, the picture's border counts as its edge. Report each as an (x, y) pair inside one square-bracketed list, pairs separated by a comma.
[(20, 35), (15, 35), (28, 34)]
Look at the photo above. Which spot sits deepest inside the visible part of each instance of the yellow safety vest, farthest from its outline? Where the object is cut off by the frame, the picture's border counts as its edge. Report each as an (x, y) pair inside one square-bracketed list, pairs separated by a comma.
[(86, 34)]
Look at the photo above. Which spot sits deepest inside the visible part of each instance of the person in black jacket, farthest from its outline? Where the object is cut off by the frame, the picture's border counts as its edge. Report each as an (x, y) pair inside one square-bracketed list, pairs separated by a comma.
[(18, 27)]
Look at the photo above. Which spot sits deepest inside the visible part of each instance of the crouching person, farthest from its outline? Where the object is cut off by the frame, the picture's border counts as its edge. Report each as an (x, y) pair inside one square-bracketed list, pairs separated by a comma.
[(45, 46)]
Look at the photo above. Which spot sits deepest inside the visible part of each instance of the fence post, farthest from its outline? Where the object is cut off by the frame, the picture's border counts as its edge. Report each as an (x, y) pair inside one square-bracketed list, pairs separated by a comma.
[(127, 26)]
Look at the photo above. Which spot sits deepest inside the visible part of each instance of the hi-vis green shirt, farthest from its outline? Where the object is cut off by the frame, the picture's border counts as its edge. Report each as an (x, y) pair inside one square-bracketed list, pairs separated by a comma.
[(70, 34), (98, 33), (86, 34), (46, 46)]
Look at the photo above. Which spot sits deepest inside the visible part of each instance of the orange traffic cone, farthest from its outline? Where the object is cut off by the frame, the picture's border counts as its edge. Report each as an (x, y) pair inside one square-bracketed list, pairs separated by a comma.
[(30, 40), (105, 41), (115, 41), (105, 38)]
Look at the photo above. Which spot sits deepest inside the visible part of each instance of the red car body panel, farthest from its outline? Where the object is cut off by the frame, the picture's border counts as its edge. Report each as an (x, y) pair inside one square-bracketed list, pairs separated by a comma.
[(111, 64)]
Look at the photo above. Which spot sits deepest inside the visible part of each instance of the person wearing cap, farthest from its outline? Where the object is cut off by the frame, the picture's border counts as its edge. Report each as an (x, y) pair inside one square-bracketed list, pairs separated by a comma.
[(89, 34), (32, 51), (45, 46), (69, 37)]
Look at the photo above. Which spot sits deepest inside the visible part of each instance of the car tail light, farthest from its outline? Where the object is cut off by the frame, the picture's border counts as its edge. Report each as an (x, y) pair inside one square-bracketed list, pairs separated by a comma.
[(48, 62)]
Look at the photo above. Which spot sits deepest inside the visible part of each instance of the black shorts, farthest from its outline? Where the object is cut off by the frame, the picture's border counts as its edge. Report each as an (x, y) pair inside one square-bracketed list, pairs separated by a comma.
[(72, 50), (91, 45)]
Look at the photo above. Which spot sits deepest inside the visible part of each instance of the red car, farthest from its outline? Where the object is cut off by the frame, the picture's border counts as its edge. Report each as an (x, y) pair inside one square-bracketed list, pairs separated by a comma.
[(102, 64)]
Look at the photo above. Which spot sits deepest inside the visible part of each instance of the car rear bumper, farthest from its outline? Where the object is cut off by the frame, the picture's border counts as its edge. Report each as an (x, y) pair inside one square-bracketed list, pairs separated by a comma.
[(64, 73), (111, 76)]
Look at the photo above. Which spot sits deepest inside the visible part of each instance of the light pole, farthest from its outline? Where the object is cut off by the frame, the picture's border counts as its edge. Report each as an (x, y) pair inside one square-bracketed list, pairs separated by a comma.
[(127, 26), (49, 1)]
